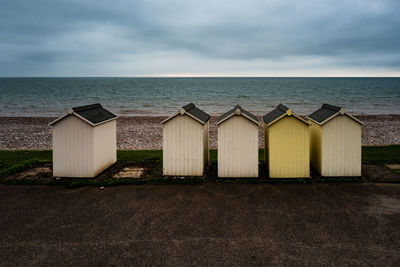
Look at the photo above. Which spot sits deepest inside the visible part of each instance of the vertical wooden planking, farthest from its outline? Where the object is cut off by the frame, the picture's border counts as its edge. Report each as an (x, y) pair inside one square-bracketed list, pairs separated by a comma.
[(237, 148), (342, 147), (183, 147), (73, 148), (104, 146), (288, 148)]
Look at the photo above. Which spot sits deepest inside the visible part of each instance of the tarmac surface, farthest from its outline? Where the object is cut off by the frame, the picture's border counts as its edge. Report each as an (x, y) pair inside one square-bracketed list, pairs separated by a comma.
[(208, 224)]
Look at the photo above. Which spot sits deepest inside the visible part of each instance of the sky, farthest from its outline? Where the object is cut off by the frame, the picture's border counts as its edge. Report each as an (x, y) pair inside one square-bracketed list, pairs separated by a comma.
[(199, 38)]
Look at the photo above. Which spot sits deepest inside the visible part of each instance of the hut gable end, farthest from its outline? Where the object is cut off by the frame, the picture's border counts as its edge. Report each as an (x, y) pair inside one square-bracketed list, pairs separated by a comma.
[(93, 114), (328, 112), (238, 111), (192, 111), (278, 113)]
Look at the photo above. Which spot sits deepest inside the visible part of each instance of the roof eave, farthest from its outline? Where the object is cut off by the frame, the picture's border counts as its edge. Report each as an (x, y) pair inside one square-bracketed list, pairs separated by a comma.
[(186, 113), (59, 119), (242, 114), (224, 119), (313, 120), (251, 119), (277, 119), (354, 118), (197, 119), (82, 118), (167, 119), (333, 116), (301, 119), (102, 122), (284, 115)]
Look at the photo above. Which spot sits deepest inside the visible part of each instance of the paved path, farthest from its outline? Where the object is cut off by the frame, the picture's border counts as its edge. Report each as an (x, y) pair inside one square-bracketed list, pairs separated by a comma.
[(209, 224)]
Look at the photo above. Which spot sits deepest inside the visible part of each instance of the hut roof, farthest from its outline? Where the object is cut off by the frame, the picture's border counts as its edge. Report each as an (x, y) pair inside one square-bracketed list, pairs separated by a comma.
[(238, 110), (192, 111), (93, 114), (278, 113), (327, 112)]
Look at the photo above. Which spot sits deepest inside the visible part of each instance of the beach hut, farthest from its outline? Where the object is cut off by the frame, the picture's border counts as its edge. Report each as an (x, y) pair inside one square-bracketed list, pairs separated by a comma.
[(238, 144), (335, 140), (84, 141), (287, 144), (185, 142)]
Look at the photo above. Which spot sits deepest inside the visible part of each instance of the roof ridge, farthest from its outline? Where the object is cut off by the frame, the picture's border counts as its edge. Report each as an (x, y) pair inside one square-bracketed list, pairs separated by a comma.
[(243, 112), (331, 107), (93, 114), (188, 106), (238, 106), (87, 107), (282, 107)]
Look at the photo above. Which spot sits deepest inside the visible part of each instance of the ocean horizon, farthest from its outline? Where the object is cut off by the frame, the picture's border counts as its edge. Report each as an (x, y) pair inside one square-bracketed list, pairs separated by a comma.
[(155, 96)]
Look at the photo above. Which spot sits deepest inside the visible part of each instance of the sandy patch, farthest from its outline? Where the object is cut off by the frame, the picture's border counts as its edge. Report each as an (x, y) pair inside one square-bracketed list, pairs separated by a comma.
[(129, 172)]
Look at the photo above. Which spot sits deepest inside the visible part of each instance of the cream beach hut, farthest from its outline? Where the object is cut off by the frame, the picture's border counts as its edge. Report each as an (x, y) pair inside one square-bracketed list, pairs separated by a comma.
[(185, 142), (335, 139), (84, 142), (238, 144), (287, 144)]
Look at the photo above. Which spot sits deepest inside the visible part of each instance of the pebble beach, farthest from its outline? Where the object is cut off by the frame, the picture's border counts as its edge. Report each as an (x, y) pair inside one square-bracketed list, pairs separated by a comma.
[(145, 132)]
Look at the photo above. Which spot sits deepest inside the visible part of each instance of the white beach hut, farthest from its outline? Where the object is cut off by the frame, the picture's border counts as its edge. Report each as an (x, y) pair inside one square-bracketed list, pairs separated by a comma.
[(185, 142), (335, 142), (238, 144), (84, 142)]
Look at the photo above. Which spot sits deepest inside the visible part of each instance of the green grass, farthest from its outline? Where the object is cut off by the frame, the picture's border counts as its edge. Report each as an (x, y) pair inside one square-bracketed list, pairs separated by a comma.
[(381, 154), (139, 156), (16, 161), (12, 162)]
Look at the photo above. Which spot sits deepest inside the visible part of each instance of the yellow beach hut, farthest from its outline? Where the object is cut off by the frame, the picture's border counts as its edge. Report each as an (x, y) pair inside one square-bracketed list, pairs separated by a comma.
[(84, 141), (335, 142), (185, 142), (238, 144), (287, 145)]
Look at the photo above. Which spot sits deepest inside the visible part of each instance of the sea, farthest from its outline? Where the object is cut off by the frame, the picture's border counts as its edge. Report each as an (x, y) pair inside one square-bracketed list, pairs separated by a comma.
[(164, 96)]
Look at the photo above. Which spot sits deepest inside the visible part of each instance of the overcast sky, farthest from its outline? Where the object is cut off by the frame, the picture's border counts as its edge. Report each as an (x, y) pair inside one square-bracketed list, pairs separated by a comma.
[(200, 38)]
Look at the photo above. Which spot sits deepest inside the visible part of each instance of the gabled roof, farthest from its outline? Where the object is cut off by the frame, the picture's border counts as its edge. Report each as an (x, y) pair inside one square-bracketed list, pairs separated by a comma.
[(238, 110), (328, 112), (192, 111), (93, 114), (278, 113)]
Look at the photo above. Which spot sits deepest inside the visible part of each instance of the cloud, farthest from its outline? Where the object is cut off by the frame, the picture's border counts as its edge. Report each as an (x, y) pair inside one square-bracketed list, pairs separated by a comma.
[(136, 38)]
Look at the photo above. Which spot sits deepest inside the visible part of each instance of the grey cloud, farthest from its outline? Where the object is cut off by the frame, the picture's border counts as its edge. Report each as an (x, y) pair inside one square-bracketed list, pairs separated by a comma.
[(67, 37)]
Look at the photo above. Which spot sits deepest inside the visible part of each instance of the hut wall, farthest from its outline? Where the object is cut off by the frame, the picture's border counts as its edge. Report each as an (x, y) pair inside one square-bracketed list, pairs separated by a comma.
[(73, 148), (266, 140), (316, 146), (288, 149), (206, 151), (341, 147), (183, 147), (105, 145), (237, 148)]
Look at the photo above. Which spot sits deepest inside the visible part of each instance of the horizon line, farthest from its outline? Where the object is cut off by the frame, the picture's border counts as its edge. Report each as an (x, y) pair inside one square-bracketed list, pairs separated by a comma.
[(195, 76)]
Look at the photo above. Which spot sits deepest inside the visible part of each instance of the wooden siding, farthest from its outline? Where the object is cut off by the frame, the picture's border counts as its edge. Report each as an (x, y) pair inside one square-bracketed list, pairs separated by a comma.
[(341, 147), (288, 149), (206, 151), (183, 147), (73, 148), (316, 146), (80, 150), (266, 160), (237, 148), (105, 146)]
